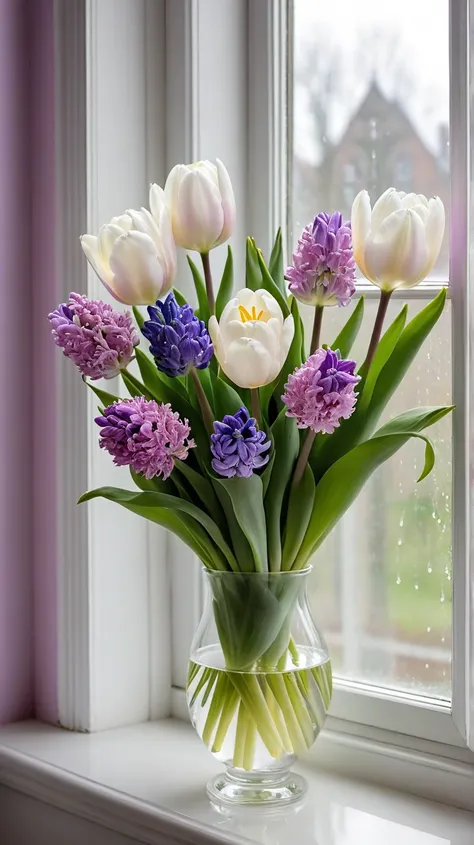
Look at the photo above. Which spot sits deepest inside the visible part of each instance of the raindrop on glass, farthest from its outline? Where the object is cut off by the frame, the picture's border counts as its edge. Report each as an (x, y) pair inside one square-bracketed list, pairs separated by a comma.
[(399, 580)]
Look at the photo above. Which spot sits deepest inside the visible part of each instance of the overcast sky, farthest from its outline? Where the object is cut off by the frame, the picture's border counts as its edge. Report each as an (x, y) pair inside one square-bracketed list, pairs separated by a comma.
[(418, 28)]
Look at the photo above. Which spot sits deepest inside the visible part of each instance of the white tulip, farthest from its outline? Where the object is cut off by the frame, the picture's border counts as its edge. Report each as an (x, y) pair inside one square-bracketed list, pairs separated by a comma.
[(251, 339), (396, 243), (201, 202), (134, 255)]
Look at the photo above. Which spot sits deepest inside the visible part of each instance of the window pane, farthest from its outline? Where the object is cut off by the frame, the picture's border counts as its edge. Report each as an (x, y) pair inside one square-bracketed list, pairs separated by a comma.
[(370, 110), (370, 104), (382, 585)]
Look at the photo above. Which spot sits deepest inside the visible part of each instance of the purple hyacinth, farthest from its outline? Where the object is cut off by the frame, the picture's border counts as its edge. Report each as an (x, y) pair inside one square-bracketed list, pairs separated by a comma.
[(96, 338), (178, 339), (323, 270), (238, 446), (145, 436), (320, 393)]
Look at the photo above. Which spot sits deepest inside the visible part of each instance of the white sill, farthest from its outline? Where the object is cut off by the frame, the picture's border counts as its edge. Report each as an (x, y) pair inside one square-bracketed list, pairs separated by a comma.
[(147, 782)]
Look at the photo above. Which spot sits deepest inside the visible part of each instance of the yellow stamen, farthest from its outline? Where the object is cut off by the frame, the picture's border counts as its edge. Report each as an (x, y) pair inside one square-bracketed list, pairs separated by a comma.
[(245, 316)]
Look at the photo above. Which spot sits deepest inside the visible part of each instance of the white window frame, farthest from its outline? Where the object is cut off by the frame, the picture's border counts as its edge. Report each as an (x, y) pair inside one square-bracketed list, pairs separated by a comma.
[(126, 620)]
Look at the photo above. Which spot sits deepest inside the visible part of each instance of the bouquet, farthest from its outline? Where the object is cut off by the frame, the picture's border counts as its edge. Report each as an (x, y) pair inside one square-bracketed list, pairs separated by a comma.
[(244, 438)]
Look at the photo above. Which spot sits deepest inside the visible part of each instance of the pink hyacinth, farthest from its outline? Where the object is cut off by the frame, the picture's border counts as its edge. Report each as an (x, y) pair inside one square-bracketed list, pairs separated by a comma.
[(320, 393), (144, 435), (99, 340)]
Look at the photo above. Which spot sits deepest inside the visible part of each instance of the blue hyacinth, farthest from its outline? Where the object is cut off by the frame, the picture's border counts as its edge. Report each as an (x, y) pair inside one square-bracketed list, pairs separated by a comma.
[(238, 446), (178, 339)]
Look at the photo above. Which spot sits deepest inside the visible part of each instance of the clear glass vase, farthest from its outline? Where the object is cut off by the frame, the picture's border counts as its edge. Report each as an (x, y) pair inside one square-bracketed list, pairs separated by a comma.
[(259, 683)]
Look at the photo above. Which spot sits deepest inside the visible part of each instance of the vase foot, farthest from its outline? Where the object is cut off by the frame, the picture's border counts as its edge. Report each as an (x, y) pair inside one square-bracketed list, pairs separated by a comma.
[(238, 787)]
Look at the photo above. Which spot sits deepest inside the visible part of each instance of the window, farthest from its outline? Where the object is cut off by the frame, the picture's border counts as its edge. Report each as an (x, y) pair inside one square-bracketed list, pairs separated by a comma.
[(382, 586)]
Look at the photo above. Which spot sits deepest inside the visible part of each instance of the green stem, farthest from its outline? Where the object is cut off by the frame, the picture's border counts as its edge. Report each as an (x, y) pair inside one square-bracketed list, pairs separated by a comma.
[(249, 690), (318, 319), (278, 687), (206, 265), (303, 458), (215, 708), (240, 734), (250, 743), (255, 401), (377, 330), (228, 710), (206, 409)]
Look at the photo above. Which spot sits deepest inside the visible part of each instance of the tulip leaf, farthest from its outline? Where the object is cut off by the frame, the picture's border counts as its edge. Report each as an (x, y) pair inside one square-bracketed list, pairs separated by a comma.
[(385, 348), (226, 286), (246, 495), (145, 503), (275, 265), (293, 360), (134, 385), (416, 419), (139, 318), (155, 485), (402, 356), (204, 491), (105, 398), (341, 484), (240, 544), (347, 336), (203, 304), (269, 285), (253, 275), (226, 398), (286, 445), (149, 373), (180, 298), (300, 508)]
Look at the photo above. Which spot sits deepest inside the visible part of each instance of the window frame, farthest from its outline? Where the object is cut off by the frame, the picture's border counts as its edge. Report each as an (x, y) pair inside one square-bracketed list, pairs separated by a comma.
[(252, 139)]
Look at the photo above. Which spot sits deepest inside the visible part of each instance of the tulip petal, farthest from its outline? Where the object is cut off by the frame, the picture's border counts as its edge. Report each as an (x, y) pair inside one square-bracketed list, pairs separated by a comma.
[(249, 364), (385, 205), (90, 247), (360, 225), (228, 202), (397, 252), (157, 200), (434, 228), (198, 218), (139, 278)]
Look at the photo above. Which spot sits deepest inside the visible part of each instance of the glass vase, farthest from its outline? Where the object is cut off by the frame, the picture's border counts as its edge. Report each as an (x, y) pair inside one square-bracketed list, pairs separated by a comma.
[(259, 683)]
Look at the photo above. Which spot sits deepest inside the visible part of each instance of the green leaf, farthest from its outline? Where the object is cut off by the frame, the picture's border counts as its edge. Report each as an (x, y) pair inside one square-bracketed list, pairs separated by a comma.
[(226, 285), (149, 373), (275, 265), (246, 495), (226, 398), (402, 356), (203, 304), (145, 503), (416, 419), (341, 484), (300, 507), (204, 491), (134, 385), (139, 318), (240, 544), (267, 473), (253, 275), (286, 445), (180, 298), (156, 485), (346, 337), (105, 398), (269, 285), (293, 360), (385, 348)]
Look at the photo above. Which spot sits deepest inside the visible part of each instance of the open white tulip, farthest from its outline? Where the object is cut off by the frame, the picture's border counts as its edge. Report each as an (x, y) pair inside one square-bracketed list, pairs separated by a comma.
[(201, 202), (251, 339), (134, 255), (397, 242)]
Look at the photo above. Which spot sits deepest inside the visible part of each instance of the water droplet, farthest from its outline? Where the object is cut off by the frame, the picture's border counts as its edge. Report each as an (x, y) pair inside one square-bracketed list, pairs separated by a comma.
[(427, 665), (428, 630), (442, 596), (429, 569), (438, 521), (443, 639), (400, 541), (433, 515), (399, 580), (401, 523), (416, 587)]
